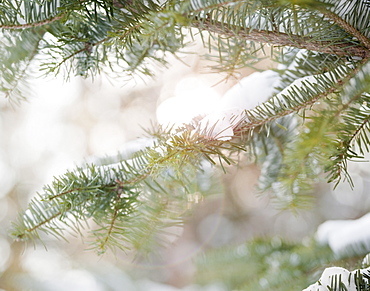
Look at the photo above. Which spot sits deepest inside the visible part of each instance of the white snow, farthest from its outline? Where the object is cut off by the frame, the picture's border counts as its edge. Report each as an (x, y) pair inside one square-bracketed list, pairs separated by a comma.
[(250, 92), (326, 278), (219, 125), (330, 275), (191, 97), (217, 117), (346, 235)]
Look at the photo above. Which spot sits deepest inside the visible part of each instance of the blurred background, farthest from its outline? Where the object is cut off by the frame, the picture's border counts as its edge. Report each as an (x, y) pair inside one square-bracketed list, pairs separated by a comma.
[(62, 124)]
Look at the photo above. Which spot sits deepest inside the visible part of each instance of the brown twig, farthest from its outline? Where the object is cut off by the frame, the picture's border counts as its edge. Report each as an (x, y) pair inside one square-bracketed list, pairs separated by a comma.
[(349, 28)]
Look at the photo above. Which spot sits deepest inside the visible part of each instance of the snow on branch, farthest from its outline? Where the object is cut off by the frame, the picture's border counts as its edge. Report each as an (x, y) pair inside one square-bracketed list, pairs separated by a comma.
[(336, 278)]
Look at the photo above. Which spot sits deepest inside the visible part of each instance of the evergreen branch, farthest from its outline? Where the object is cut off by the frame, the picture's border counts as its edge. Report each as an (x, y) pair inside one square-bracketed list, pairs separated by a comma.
[(79, 189), (71, 201), (344, 144), (283, 105), (346, 26), (152, 183), (253, 121), (344, 107), (91, 45), (296, 168), (41, 215), (23, 72), (281, 39), (155, 214), (352, 119), (19, 51), (361, 128), (198, 6), (21, 236), (19, 77), (86, 48), (338, 167), (117, 208), (34, 24), (268, 260), (131, 201), (134, 180), (302, 163)]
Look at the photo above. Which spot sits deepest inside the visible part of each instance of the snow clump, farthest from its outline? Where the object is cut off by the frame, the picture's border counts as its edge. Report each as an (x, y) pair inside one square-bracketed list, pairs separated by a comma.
[(250, 92), (346, 235), (337, 278)]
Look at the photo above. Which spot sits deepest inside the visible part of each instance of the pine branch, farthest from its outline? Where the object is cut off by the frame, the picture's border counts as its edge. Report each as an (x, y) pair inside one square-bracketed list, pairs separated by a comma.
[(323, 144), (359, 134), (296, 167), (133, 201), (121, 36), (33, 24), (86, 48), (22, 74), (349, 28), (108, 233), (36, 227), (263, 264), (270, 111), (18, 53), (281, 39), (352, 125), (125, 198), (295, 99)]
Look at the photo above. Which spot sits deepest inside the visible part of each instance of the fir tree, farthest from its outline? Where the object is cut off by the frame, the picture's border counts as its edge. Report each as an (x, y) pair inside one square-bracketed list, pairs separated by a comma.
[(315, 121)]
